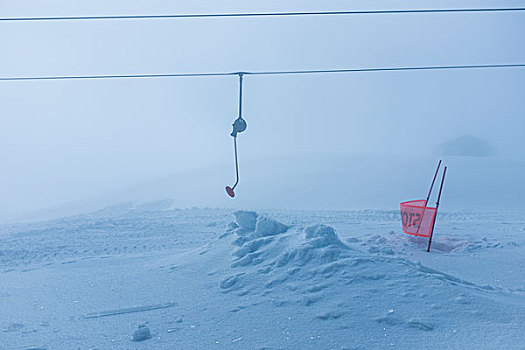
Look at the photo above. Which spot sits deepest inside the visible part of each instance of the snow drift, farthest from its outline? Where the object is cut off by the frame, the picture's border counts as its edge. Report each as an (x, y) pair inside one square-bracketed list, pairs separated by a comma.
[(196, 279), (310, 267)]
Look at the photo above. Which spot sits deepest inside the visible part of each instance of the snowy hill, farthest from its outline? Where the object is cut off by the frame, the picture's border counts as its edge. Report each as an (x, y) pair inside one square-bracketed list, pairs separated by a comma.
[(154, 277)]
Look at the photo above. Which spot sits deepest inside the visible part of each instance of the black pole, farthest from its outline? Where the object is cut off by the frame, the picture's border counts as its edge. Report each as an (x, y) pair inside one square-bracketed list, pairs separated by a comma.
[(240, 94), (429, 192), (236, 163), (437, 206), (433, 180)]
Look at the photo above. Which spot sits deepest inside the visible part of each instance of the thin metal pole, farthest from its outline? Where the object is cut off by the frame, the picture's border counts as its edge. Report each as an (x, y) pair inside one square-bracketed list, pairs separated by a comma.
[(240, 94), (236, 162), (428, 197), (437, 206), (433, 180), (235, 137)]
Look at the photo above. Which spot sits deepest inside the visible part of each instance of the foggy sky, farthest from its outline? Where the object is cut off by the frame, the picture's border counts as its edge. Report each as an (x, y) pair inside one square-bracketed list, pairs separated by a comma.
[(66, 140)]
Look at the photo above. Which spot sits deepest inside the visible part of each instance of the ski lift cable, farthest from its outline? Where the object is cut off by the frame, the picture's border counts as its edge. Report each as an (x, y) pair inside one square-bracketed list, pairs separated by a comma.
[(291, 72), (117, 76), (262, 14)]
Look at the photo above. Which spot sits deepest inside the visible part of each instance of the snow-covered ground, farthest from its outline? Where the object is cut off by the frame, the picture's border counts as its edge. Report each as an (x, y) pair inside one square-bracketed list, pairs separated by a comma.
[(154, 277)]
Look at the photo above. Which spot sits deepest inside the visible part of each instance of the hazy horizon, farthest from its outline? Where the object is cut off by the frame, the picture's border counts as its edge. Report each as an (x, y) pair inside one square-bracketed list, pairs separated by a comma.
[(64, 141)]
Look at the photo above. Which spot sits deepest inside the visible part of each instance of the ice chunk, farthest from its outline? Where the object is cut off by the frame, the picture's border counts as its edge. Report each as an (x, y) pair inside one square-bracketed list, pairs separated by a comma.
[(246, 219), (322, 235), (268, 227), (142, 333)]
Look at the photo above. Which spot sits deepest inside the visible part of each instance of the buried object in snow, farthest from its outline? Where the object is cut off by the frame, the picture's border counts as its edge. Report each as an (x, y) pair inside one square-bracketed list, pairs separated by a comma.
[(142, 333)]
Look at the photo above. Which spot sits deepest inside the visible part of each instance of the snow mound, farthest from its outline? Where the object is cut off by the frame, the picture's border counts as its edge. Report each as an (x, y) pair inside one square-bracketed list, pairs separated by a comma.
[(322, 236), (250, 225), (246, 220), (311, 267), (264, 246)]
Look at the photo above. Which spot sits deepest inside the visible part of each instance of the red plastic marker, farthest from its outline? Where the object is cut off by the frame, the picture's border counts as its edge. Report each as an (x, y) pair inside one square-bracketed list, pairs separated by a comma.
[(418, 219)]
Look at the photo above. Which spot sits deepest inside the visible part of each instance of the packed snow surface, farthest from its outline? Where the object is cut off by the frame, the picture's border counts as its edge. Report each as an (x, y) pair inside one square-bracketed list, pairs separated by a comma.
[(154, 277)]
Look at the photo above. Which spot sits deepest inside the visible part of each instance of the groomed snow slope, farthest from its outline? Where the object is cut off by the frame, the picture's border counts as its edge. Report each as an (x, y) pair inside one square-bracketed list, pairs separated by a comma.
[(200, 279)]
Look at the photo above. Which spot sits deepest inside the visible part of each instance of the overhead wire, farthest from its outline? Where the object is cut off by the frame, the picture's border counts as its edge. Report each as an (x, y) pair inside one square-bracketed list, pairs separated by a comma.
[(262, 14), (284, 72), (267, 14)]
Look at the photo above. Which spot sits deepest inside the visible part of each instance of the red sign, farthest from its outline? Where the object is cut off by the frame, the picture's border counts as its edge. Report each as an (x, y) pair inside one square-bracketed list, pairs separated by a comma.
[(417, 218)]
